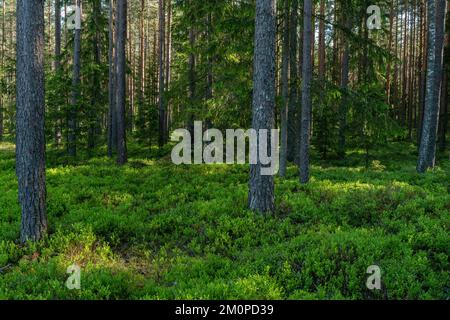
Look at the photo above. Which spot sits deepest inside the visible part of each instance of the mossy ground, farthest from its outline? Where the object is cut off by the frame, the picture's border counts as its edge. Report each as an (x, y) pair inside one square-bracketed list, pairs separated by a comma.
[(153, 230)]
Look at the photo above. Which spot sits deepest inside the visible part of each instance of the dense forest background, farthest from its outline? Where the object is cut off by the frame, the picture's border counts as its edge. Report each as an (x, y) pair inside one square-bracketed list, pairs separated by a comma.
[(361, 104), (198, 57)]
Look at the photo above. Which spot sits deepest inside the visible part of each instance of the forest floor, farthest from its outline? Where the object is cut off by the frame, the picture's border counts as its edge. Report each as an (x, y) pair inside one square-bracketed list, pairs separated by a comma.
[(153, 230)]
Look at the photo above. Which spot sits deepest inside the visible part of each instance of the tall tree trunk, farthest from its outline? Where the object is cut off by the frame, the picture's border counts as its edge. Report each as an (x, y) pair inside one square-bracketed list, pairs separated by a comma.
[(121, 81), (57, 64), (75, 98), (414, 59), (141, 71), (336, 70), (322, 41), (423, 71), (393, 97), (284, 89), (2, 61), (57, 61), (405, 68), (436, 26), (313, 35), (112, 114), (322, 125), (209, 66), (306, 93), (30, 135), (96, 88), (388, 68), (168, 62), (293, 112), (344, 88), (161, 93), (261, 187), (192, 80), (130, 76), (411, 70), (444, 90)]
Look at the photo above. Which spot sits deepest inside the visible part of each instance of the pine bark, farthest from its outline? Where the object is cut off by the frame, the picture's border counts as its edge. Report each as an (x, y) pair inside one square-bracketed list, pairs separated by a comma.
[(112, 114), (344, 88), (75, 97), (96, 88), (30, 135), (57, 64), (121, 81), (284, 89), (444, 91), (141, 71), (436, 26), (168, 62), (261, 187), (2, 60), (388, 68), (161, 93), (305, 127), (293, 110)]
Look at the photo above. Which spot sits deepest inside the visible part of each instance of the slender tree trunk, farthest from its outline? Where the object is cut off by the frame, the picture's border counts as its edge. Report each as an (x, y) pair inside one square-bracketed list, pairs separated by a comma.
[(75, 99), (162, 106), (436, 26), (209, 67), (112, 114), (344, 88), (405, 68), (168, 62), (2, 61), (129, 77), (192, 81), (322, 41), (57, 65), (335, 71), (313, 35), (444, 112), (155, 75), (393, 97), (293, 112), (30, 135), (424, 68), (284, 89), (121, 81), (322, 121), (444, 95), (313, 60), (96, 88), (141, 71), (411, 71), (306, 93), (388, 68), (261, 188)]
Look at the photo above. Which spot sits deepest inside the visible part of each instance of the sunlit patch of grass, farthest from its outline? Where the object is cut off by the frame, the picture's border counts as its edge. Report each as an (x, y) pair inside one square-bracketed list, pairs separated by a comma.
[(7, 146)]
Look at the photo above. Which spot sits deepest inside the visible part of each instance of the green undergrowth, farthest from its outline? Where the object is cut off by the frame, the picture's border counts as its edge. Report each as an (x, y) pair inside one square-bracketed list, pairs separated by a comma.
[(153, 230)]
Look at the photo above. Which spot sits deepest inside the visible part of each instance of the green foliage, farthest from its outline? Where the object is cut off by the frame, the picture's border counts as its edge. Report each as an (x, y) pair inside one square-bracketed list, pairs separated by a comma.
[(152, 230), (93, 100), (223, 46)]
